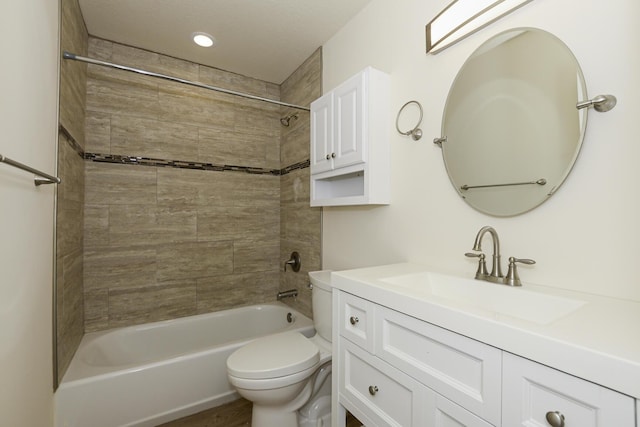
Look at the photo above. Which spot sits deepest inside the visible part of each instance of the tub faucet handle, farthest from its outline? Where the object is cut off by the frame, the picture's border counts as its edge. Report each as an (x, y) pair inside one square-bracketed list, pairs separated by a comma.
[(294, 262)]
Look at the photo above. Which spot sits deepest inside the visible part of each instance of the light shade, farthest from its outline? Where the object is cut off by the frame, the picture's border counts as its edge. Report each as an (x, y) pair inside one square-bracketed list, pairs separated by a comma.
[(203, 39), (464, 17)]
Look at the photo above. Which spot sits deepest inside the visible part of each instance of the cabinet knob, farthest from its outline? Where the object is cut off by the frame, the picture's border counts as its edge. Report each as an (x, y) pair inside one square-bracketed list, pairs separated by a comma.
[(555, 419), (328, 157), (353, 320), (333, 155), (373, 389)]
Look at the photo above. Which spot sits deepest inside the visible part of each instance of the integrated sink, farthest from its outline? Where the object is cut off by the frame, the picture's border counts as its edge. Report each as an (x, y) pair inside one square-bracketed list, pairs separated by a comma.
[(496, 299)]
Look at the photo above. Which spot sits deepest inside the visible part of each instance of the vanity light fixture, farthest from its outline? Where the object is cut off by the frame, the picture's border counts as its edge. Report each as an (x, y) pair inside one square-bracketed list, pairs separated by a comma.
[(463, 18), (203, 39)]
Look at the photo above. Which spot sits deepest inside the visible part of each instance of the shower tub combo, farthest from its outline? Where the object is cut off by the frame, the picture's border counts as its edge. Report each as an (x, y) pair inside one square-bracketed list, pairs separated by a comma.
[(153, 373)]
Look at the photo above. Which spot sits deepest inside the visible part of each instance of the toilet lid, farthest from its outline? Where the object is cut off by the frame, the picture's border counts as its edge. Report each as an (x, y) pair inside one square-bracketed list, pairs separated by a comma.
[(273, 356)]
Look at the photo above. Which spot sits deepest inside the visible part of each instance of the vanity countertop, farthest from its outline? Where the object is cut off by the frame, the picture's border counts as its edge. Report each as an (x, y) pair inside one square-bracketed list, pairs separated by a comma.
[(599, 341)]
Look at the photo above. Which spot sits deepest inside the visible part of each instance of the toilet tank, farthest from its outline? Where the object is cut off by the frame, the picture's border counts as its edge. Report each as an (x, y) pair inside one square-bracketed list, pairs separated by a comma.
[(321, 302)]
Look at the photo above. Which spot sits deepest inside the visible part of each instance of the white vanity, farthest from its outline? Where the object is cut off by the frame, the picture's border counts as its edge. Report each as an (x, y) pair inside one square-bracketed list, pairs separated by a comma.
[(416, 348)]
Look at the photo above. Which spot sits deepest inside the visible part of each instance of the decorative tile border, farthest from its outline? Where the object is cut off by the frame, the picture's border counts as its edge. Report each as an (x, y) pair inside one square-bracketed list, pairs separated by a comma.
[(181, 164)]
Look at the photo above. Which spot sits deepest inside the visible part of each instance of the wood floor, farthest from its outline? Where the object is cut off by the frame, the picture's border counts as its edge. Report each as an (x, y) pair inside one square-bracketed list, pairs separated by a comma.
[(233, 414)]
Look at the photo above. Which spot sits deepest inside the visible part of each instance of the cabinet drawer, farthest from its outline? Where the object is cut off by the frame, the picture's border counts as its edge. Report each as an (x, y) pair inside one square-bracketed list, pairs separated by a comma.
[(532, 390), (356, 320), (464, 370), (376, 393), (447, 414)]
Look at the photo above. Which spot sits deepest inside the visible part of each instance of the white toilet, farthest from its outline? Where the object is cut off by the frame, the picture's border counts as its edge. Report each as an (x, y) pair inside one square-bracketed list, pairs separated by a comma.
[(287, 376)]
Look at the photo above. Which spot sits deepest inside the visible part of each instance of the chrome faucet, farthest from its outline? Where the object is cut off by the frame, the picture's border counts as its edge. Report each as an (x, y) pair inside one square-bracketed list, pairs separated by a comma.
[(291, 293), (496, 269), (496, 276)]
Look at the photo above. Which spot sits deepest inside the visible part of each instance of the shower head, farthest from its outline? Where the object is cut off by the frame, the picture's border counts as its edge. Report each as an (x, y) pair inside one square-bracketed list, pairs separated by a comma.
[(285, 120), (601, 103)]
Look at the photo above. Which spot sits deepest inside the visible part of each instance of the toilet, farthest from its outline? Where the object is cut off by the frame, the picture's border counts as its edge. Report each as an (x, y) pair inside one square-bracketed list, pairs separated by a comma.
[(287, 376)]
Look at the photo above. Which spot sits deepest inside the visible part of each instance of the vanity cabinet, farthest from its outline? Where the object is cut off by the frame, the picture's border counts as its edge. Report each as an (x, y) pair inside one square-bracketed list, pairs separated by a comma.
[(392, 369), (398, 371), (538, 395), (350, 142)]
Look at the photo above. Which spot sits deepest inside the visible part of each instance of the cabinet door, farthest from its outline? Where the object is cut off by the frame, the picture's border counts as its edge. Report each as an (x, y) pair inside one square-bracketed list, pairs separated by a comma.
[(349, 121), (377, 394), (321, 134), (531, 391)]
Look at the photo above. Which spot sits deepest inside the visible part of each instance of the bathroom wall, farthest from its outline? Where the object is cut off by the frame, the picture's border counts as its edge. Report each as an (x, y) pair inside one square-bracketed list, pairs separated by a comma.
[(583, 238), (183, 203), (170, 230), (70, 196), (28, 119), (300, 225)]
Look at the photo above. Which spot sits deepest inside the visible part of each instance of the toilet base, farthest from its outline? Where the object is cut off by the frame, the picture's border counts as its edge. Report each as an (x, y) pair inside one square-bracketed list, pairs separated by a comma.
[(264, 416)]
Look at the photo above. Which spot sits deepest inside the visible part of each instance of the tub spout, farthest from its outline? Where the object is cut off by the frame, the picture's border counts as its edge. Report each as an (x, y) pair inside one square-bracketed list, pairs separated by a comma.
[(291, 293)]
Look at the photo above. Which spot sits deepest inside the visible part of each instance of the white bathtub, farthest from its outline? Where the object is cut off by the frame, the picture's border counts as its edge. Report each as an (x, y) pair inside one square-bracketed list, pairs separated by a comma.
[(153, 373)]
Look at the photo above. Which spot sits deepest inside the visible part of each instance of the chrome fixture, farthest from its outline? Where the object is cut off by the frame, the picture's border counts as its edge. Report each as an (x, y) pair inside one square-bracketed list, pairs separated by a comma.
[(540, 181), (601, 103), (44, 178), (291, 293), (463, 18), (416, 132), (295, 262), (74, 57), (285, 120), (512, 278)]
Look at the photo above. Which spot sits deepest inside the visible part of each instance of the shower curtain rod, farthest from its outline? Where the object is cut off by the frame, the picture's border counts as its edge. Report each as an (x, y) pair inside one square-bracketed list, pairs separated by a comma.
[(73, 56)]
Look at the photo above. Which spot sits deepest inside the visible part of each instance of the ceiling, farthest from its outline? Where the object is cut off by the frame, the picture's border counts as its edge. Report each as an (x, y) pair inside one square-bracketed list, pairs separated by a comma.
[(264, 39)]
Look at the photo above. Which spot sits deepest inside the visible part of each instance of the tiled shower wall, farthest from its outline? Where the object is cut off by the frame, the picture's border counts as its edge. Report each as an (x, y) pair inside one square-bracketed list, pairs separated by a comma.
[(300, 225), (197, 228), (70, 193)]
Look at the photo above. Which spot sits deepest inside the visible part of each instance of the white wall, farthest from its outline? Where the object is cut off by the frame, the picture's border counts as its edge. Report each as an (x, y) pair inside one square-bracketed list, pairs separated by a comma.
[(28, 131), (584, 238)]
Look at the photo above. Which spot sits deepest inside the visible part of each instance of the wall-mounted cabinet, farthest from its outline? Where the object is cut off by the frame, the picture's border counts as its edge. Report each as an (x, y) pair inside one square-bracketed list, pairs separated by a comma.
[(350, 142)]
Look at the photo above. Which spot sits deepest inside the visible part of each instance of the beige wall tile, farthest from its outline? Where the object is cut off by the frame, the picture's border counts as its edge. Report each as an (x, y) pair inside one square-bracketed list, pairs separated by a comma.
[(194, 260), (119, 267), (143, 225), (151, 303), (137, 136), (119, 184), (96, 225), (96, 309), (251, 256), (223, 292), (98, 132)]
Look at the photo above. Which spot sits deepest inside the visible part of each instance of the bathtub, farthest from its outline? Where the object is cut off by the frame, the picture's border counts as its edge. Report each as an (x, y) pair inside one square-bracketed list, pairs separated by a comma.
[(149, 374)]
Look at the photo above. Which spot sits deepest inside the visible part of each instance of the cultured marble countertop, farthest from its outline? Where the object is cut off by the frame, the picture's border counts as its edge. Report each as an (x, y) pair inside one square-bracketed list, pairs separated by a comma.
[(599, 341)]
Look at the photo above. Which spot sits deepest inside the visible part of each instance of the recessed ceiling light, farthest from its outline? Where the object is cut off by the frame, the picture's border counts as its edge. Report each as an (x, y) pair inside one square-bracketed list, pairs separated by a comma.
[(203, 39)]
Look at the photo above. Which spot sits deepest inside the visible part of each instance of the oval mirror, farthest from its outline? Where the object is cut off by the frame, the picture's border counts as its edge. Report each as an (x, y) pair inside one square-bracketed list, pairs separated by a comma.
[(512, 128)]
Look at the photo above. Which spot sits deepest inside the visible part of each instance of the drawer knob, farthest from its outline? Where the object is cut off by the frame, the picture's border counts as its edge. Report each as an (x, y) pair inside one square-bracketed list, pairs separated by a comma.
[(373, 389), (353, 320), (555, 419)]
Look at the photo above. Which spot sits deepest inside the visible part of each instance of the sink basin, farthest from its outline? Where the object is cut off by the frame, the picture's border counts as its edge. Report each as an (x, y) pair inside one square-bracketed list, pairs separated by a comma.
[(494, 298)]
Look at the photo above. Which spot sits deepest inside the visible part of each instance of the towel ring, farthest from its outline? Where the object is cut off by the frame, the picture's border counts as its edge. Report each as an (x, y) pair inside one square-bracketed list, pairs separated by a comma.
[(416, 132)]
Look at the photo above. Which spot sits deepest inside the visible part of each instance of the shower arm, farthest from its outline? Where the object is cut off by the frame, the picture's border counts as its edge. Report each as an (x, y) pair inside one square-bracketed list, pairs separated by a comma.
[(74, 57)]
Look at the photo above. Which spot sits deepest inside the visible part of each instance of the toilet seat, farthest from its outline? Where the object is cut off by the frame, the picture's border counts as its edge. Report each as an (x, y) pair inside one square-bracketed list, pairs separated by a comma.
[(274, 356)]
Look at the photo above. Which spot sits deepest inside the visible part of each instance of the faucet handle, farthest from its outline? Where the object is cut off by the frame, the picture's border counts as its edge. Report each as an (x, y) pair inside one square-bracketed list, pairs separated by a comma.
[(481, 273), (512, 278)]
